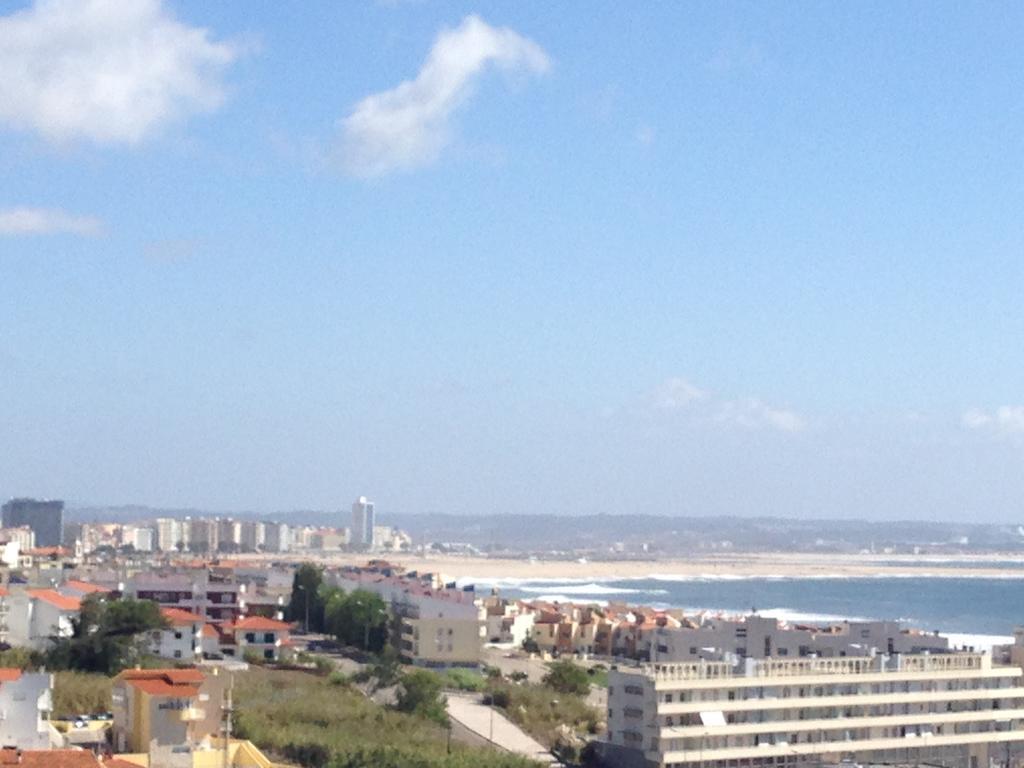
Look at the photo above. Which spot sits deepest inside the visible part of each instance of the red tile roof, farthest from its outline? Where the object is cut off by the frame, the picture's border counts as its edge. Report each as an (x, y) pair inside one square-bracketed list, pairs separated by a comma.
[(49, 758), (177, 616), (9, 675), (56, 599), (180, 683), (84, 586), (259, 623), (48, 552)]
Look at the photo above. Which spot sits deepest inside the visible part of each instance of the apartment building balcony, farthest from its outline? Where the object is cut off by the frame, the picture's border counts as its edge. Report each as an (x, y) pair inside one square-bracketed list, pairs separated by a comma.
[(192, 714)]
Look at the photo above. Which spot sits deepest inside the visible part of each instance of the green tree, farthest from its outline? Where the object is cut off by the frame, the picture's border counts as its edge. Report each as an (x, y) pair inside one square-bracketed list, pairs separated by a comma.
[(307, 593), (107, 635), (420, 693), (359, 618), (567, 677)]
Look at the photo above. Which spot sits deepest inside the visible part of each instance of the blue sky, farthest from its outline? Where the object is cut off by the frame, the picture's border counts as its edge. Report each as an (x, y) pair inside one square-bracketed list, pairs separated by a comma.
[(739, 258)]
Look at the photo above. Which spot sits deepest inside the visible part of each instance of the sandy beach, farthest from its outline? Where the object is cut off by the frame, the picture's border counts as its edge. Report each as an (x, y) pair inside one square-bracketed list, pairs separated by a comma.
[(709, 566)]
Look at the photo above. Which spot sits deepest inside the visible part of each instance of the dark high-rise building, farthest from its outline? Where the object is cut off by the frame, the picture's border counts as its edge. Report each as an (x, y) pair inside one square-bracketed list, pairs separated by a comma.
[(45, 518)]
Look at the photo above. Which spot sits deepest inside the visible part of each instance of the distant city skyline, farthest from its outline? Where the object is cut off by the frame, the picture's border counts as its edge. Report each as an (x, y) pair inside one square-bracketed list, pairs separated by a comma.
[(683, 260)]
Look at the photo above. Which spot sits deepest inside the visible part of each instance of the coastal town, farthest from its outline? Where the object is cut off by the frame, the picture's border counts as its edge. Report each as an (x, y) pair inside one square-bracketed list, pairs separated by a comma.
[(176, 621)]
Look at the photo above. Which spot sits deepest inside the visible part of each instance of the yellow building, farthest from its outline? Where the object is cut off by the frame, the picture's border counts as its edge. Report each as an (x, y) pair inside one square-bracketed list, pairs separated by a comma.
[(954, 709), (441, 641), (157, 708), (240, 754)]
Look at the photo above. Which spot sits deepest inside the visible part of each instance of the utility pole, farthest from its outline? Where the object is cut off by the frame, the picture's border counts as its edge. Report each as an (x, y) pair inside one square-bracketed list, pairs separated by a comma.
[(227, 710)]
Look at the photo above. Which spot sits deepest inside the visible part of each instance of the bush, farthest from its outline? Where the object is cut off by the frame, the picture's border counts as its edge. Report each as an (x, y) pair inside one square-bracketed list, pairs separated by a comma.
[(544, 713), (77, 693), (340, 679), (568, 677), (21, 658), (308, 755), (420, 694), (463, 680), (278, 708)]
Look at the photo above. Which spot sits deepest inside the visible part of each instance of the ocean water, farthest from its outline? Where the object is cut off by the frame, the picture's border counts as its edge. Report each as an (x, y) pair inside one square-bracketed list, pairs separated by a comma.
[(952, 605)]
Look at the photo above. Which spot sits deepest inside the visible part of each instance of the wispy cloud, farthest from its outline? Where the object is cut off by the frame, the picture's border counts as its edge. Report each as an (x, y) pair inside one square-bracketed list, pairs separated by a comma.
[(408, 126), (1007, 419), (645, 135), (107, 71), (680, 394), (45, 221), (752, 413)]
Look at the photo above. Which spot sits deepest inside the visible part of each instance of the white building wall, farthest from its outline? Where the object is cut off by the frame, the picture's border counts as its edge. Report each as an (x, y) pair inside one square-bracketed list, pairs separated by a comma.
[(179, 642), (24, 706)]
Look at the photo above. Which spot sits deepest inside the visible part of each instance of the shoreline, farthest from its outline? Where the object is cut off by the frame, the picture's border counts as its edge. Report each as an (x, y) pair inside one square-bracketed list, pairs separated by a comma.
[(706, 567)]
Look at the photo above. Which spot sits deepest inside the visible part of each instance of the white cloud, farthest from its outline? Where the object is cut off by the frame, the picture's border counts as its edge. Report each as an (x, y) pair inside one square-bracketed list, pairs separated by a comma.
[(109, 71), (44, 221), (752, 413), (645, 135), (407, 126), (678, 394), (1006, 418)]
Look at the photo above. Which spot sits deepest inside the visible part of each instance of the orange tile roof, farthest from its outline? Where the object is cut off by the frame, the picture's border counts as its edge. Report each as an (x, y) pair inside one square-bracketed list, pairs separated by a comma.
[(56, 599), (209, 631), (116, 762), (48, 552), (259, 622), (180, 683), (84, 586), (187, 675), (49, 758), (9, 675), (177, 616)]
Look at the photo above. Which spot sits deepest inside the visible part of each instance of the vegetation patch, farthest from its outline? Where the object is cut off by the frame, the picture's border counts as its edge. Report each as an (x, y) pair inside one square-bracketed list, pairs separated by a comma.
[(319, 723)]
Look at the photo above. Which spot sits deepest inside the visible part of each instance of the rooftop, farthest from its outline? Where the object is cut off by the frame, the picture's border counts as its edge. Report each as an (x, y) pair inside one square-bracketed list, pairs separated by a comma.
[(54, 598)]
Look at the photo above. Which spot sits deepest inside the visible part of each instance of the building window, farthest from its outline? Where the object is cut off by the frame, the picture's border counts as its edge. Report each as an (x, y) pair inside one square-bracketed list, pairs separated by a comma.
[(177, 654), (268, 637), (250, 637), (268, 654)]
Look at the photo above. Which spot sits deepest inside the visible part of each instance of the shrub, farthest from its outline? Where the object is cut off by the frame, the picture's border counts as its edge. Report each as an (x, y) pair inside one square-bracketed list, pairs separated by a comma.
[(339, 678), (77, 693), (463, 680), (420, 693), (308, 755), (568, 677)]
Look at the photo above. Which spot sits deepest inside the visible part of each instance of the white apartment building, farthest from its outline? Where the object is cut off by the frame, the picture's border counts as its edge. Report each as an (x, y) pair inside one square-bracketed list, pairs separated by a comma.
[(25, 704), (229, 535), (765, 637), (440, 626), (363, 521), (276, 537), (34, 616), (182, 640), (252, 535), (953, 709), (171, 532)]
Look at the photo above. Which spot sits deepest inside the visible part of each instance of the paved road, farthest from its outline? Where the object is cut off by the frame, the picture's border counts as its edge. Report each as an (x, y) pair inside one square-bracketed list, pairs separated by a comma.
[(493, 726)]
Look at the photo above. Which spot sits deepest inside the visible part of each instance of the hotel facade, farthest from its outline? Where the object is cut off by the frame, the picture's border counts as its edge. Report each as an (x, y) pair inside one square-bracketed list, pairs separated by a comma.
[(952, 709)]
